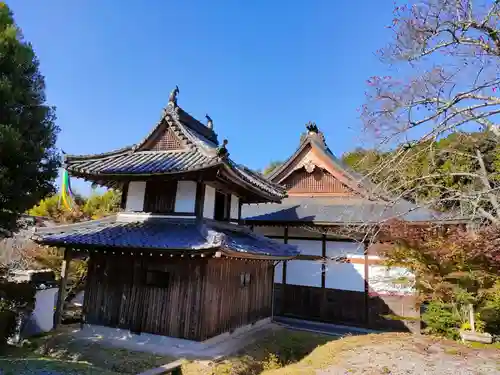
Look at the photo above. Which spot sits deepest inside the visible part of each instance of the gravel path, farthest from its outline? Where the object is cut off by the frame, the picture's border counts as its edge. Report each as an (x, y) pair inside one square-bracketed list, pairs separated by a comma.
[(416, 356)]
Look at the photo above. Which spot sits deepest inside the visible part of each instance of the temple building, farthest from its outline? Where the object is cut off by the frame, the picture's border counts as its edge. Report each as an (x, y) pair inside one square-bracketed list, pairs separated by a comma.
[(174, 261), (330, 209)]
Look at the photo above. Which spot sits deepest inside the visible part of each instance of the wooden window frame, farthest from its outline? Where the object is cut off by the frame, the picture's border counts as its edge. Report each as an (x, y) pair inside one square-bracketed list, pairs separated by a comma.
[(160, 196)]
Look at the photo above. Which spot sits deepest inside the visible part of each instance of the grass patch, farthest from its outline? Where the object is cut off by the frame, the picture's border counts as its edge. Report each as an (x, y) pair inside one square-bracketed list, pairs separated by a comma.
[(61, 353)]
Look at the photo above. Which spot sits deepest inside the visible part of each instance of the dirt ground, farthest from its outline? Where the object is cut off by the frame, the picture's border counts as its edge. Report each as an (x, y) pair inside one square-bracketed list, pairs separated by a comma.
[(415, 355), (300, 353)]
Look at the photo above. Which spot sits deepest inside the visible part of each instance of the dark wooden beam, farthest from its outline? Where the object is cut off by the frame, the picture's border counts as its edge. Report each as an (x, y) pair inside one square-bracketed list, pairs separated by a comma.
[(323, 265), (313, 238), (61, 295), (123, 201), (200, 200), (283, 280)]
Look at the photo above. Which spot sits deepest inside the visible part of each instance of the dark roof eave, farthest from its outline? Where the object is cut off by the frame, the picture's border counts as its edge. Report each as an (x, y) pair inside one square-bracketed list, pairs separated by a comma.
[(343, 223), (69, 157), (79, 246), (121, 176), (238, 254)]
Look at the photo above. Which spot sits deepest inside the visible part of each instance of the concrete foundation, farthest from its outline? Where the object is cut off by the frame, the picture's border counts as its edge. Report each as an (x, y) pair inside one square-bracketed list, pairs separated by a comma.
[(212, 348)]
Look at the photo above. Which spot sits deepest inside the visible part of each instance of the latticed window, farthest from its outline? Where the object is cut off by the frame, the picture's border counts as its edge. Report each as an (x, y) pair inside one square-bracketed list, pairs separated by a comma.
[(167, 141), (160, 196), (318, 181)]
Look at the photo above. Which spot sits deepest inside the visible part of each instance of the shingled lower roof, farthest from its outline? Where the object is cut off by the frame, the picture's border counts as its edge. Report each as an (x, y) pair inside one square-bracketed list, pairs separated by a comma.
[(134, 232), (339, 211)]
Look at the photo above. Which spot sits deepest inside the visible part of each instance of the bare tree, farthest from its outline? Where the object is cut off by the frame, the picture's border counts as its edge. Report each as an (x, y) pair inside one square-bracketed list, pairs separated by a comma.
[(446, 57)]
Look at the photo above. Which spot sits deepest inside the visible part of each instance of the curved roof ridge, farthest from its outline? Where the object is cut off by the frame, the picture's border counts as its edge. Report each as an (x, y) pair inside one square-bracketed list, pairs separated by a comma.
[(101, 155)]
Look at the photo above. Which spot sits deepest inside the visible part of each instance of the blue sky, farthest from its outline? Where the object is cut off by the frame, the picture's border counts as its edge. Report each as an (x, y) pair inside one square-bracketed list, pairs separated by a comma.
[(260, 69)]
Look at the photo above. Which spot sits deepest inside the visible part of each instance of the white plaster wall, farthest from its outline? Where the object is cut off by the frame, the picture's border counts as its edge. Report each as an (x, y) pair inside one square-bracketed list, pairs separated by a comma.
[(307, 247), (135, 196), (345, 276), (209, 203), (235, 205), (336, 249), (303, 272), (42, 317), (185, 197), (394, 280)]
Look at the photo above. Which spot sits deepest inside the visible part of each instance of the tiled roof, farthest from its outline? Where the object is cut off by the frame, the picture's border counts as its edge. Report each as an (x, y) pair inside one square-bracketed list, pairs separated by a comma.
[(200, 153), (338, 210), (152, 233), (144, 162)]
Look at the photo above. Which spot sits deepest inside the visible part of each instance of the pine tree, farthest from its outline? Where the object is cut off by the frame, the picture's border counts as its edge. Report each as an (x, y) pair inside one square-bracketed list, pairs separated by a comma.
[(29, 160)]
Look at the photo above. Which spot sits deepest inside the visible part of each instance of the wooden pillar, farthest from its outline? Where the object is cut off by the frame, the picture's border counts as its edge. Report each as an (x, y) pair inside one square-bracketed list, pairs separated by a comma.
[(367, 286), (61, 295), (322, 312), (283, 279), (199, 200), (323, 263)]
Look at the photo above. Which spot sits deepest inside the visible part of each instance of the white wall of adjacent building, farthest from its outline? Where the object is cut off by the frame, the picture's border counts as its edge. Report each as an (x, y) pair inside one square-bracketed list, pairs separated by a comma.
[(344, 276)]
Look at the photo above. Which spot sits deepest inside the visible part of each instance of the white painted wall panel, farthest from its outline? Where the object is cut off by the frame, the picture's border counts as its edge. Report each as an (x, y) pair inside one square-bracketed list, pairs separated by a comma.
[(303, 272), (278, 273), (135, 196), (307, 247), (209, 203), (394, 280), (336, 249), (186, 196), (345, 276), (42, 318), (235, 206)]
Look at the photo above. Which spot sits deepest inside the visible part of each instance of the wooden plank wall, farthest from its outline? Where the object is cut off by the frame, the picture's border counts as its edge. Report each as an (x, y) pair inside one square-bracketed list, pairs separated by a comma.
[(346, 307), (203, 297), (227, 305)]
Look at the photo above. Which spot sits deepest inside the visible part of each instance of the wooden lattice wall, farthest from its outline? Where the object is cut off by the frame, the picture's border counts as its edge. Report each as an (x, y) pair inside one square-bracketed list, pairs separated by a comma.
[(319, 181), (167, 141)]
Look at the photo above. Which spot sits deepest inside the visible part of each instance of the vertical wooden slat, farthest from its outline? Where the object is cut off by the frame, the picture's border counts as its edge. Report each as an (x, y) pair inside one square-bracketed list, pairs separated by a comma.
[(123, 201), (61, 295)]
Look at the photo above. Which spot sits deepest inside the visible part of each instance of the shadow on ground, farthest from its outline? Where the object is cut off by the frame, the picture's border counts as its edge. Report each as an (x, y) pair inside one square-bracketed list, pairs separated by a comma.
[(63, 354), (275, 349)]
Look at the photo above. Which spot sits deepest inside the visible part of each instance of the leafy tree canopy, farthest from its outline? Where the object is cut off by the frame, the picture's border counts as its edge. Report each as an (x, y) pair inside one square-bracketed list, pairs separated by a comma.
[(28, 157), (271, 167), (444, 174), (93, 207)]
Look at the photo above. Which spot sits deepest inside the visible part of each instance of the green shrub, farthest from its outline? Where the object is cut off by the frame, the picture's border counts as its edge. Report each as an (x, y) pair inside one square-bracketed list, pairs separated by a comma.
[(490, 312), (442, 319), (15, 299)]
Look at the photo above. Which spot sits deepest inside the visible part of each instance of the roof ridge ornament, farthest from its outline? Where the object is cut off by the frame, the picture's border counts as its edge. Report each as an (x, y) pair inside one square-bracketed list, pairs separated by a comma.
[(222, 152), (172, 99), (312, 128), (210, 123)]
